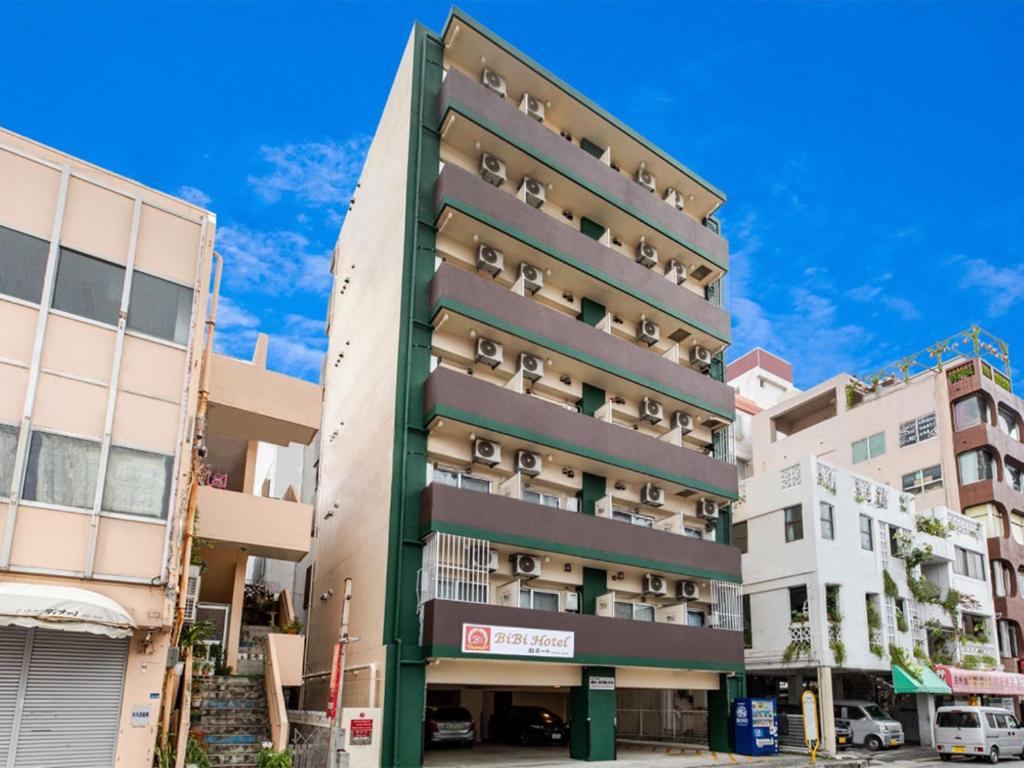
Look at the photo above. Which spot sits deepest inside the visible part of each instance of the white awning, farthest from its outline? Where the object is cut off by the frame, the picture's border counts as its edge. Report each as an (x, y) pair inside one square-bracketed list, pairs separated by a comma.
[(65, 608)]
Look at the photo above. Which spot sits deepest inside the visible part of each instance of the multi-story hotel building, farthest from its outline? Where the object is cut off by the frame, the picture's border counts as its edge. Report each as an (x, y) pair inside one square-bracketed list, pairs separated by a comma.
[(526, 454), (944, 426), (104, 288)]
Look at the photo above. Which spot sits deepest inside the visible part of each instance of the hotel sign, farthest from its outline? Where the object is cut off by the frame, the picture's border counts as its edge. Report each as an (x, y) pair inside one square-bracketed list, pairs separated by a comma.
[(977, 681), (517, 641)]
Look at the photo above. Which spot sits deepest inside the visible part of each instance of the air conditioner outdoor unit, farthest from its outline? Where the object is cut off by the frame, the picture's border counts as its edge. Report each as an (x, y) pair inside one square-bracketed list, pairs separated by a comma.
[(651, 410), (572, 602), (529, 463), (526, 566), (675, 198), (532, 367), (489, 352), (707, 509), (700, 357), (532, 107), (676, 271), (485, 557), (647, 332), (489, 259), (645, 178), (192, 592), (687, 591), (655, 585), (646, 254), (492, 170), (486, 452), (683, 422), (652, 495), (533, 278), (531, 192), (494, 82)]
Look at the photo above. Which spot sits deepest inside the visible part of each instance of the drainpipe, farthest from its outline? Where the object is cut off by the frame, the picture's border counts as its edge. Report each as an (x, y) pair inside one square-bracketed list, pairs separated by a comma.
[(188, 527)]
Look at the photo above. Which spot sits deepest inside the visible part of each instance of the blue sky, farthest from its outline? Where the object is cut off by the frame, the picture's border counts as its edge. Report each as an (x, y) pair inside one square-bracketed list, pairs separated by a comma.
[(873, 153)]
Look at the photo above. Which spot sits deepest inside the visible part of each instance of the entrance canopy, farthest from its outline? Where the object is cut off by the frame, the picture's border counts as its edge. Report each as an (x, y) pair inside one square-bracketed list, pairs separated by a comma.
[(922, 681), (64, 608), (981, 681)]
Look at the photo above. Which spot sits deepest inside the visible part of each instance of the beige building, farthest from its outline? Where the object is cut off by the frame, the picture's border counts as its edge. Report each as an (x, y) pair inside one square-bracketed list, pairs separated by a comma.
[(526, 448), (104, 287)]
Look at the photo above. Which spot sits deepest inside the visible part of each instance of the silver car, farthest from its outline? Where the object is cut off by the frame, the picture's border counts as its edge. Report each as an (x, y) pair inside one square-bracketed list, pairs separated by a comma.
[(982, 732), (870, 726)]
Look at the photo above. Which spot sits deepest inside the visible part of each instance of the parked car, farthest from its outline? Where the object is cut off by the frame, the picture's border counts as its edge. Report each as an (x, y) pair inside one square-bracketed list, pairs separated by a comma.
[(448, 725), (527, 725), (870, 725), (844, 735), (984, 732)]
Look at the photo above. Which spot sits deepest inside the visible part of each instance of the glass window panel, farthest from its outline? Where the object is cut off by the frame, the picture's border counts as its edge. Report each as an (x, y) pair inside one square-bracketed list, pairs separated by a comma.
[(739, 536), (867, 540), (794, 522), (88, 287), (623, 610), (22, 265), (860, 451), (926, 427), (446, 477), (137, 482), (8, 448), (970, 411), (524, 598), (876, 445), (643, 521), (475, 484), (975, 466), (828, 530), (160, 308), (62, 470), (1008, 423), (695, 618), (545, 601), (643, 612)]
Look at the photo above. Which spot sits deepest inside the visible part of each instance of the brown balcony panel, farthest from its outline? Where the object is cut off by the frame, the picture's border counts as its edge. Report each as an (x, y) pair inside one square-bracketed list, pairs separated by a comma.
[(462, 94), (452, 285), (464, 398), (547, 233), (990, 491), (265, 527), (512, 521), (598, 639)]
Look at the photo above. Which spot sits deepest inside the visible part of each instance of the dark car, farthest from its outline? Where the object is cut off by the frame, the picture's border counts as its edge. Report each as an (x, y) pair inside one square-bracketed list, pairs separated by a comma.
[(448, 725), (527, 725), (844, 734)]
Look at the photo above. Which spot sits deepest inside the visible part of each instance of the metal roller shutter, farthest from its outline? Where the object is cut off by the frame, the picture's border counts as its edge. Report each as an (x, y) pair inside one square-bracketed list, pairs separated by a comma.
[(12, 654), (71, 703)]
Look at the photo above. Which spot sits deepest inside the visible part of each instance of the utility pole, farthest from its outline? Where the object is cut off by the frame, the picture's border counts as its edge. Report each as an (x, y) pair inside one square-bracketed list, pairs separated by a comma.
[(339, 759)]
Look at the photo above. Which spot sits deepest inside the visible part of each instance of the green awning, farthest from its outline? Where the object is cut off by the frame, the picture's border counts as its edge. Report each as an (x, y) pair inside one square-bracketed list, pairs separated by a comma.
[(904, 682)]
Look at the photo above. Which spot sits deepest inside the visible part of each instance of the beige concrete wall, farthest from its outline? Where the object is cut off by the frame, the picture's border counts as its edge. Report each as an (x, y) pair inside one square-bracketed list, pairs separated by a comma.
[(359, 406), (265, 527)]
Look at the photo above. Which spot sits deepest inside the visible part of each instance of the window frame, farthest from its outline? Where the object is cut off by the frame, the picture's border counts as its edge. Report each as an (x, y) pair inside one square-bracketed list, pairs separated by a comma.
[(830, 521), (920, 485), (28, 464), (984, 414), (969, 564), (633, 610), (869, 454), (541, 591), (460, 476), (793, 529), (19, 268), (103, 322), (741, 542), (5, 487), (136, 274), (870, 533), (1004, 413), (903, 432), (982, 477)]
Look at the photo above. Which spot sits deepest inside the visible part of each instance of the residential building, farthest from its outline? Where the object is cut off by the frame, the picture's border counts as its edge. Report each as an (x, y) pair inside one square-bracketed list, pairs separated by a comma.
[(526, 462), (840, 574), (761, 380), (104, 289), (942, 425)]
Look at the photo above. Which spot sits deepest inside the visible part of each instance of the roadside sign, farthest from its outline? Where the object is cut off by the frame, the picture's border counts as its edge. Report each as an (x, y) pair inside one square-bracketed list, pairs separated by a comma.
[(809, 707)]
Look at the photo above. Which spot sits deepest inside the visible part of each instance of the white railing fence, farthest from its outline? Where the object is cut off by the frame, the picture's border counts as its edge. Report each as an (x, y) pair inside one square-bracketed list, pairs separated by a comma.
[(678, 725)]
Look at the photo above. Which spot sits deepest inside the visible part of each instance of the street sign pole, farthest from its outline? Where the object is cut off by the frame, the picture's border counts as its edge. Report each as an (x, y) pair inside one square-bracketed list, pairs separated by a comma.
[(337, 741)]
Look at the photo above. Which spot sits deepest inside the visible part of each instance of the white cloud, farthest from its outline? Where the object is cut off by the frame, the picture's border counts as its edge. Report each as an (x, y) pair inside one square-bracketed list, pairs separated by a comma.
[(195, 196), (317, 173), (868, 293), (279, 261), (231, 315), (1003, 286), (296, 355), (300, 324)]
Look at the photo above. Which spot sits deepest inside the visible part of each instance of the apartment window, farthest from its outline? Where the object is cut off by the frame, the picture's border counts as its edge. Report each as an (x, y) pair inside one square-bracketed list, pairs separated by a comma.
[(867, 538), (693, 533), (748, 627), (1016, 529), (1009, 646), (969, 411), (538, 599), (22, 265), (739, 536), (8, 448), (869, 447), (62, 470), (160, 308), (1008, 422), (88, 287), (544, 499), (894, 539), (828, 521), (794, 523), (695, 618), (917, 430), (798, 599), (137, 482), (307, 587), (924, 480), (458, 479), (968, 563), (634, 611), (625, 516), (1014, 477), (976, 466), (743, 468)]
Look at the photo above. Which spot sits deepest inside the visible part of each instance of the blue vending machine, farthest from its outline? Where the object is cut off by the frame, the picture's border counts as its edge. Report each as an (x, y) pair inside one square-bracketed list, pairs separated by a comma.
[(755, 728)]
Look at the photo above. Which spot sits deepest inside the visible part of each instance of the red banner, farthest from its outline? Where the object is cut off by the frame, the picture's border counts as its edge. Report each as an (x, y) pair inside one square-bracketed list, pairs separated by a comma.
[(980, 681)]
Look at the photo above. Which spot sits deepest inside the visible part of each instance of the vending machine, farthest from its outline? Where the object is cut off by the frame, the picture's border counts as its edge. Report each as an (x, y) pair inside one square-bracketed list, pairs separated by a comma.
[(755, 727)]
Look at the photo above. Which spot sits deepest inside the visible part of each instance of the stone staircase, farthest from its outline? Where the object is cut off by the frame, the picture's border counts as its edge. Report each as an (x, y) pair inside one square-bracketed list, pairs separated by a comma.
[(231, 713), (252, 648)]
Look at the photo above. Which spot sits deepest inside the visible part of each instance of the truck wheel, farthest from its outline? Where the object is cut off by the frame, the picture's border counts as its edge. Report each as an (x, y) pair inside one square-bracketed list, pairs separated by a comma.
[(873, 743), (993, 756)]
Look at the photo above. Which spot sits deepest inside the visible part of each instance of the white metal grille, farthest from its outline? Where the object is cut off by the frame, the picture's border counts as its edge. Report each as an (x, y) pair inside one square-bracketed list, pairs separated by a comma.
[(456, 568), (728, 606)]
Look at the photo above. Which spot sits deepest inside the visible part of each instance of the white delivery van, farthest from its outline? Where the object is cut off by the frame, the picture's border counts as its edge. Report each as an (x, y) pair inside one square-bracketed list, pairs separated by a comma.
[(987, 732)]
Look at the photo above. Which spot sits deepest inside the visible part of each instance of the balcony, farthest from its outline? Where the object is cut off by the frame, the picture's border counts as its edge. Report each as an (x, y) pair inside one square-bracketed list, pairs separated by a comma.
[(589, 353), (618, 195), (607, 273), (521, 523), (597, 640), (265, 527), (592, 444)]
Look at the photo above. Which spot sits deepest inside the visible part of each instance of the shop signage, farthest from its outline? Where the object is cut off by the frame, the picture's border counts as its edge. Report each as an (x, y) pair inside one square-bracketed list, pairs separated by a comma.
[(602, 683), (360, 730), (517, 641), (140, 715), (981, 681)]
